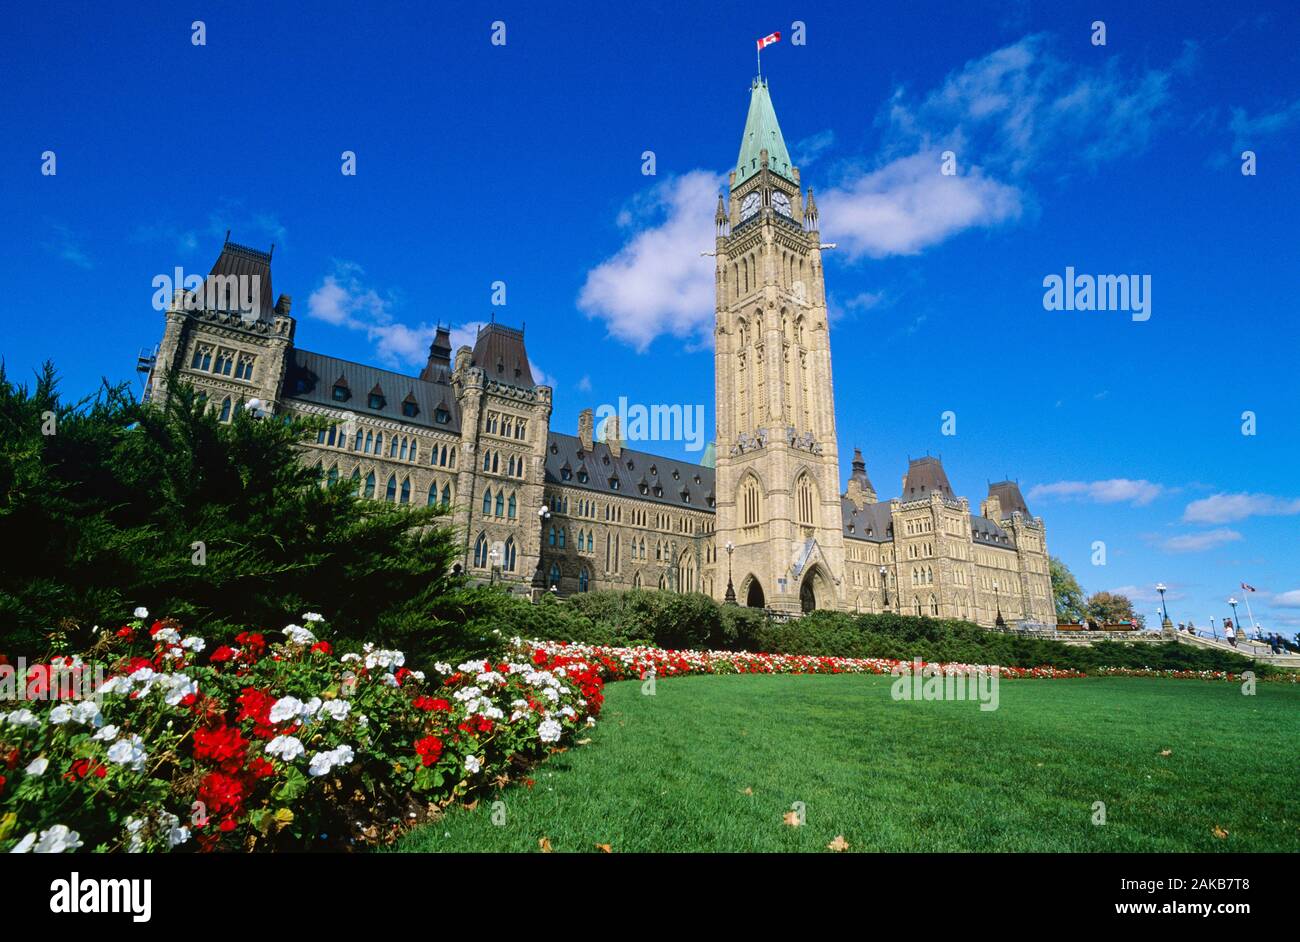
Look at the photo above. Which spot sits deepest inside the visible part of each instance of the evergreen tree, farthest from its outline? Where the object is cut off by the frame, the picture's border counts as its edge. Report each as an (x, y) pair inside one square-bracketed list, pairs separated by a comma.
[(107, 504)]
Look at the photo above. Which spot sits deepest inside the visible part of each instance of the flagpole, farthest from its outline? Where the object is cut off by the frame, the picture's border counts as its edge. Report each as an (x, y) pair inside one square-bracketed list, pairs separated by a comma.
[(759, 53), (1246, 596)]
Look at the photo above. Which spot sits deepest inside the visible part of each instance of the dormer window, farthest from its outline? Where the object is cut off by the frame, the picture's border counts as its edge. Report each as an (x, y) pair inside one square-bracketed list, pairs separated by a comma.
[(676, 476), (340, 394), (582, 477), (565, 474), (441, 415), (376, 402), (409, 409), (644, 489), (614, 484)]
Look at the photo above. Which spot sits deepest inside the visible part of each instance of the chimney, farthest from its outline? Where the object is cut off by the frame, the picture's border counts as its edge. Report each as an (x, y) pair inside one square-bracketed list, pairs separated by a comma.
[(612, 436), (585, 428)]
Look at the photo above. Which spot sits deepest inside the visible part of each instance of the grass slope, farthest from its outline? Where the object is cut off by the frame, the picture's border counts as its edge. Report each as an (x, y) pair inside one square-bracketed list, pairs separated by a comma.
[(670, 772)]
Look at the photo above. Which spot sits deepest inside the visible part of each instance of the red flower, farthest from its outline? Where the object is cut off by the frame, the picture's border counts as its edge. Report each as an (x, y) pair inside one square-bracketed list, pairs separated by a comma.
[(260, 768), (223, 747), (223, 796), (430, 703), (323, 647), (2, 783), (401, 675), (126, 632), (428, 749), (84, 767), (254, 645), (256, 706), (222, 654)]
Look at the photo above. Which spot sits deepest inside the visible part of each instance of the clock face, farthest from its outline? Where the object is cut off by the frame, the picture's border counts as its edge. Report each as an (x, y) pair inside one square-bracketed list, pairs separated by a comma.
[(749, 206), (781, 202)]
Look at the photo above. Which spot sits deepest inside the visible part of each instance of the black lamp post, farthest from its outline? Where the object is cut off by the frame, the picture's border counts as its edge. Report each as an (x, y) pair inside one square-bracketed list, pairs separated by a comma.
[(494, 557), (999, 621), (1165, 623), (884, 586), (730, 597)]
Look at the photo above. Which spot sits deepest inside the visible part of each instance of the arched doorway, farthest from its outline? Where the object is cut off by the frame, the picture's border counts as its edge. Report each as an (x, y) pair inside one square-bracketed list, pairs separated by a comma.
[(815, 588), (807, 597), (754, 597)]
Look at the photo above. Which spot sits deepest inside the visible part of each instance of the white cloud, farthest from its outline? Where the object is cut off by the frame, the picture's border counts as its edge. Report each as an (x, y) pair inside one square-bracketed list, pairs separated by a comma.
[(908, 205), (658, 283), (1198, 542), (1287, 599), (1138, 593), (807, 151), (584, 384), (1248, 132), (66, 245), (1139, 493), (1227, 508), (1000, 115), (345, 301)]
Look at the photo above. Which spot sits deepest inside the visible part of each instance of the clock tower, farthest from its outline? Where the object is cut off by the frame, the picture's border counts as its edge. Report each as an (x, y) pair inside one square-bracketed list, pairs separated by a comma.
[(778, 496)]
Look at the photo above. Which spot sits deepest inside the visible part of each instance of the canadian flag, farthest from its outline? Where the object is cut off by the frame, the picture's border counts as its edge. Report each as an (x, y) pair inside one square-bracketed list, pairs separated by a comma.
[(1248, 588), (768, 40)]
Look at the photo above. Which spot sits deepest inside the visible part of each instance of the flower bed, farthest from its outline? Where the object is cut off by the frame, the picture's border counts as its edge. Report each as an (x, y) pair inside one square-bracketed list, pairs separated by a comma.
[(267, 744), (630, 663)]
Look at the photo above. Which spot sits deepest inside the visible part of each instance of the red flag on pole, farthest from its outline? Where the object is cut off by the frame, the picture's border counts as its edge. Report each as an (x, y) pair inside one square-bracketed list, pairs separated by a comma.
[(1248, 588), (768, 40)]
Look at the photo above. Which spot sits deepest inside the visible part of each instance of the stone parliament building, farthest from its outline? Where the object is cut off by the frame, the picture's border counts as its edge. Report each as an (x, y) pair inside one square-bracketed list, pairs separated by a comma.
[(544, 510)]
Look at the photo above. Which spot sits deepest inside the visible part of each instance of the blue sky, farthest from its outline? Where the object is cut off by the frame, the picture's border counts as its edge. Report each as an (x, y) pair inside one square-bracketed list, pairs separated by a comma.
[(522, 163)]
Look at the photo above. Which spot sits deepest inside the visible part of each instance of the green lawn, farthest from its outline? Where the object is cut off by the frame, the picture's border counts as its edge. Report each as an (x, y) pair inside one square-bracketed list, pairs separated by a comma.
[(713, 763)]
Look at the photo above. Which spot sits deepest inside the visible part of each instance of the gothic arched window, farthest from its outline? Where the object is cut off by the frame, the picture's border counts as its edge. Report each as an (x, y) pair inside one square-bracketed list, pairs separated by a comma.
[(749, 502), (406, 491), (508, 563), (584, 580), (370, 484), (487, 502), (554, 579), (805, 500), (390, 492), (481, 552), (510, 509)]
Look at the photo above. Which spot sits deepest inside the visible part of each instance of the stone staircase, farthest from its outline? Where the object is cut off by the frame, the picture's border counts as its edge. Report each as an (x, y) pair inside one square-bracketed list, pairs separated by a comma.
[(1260, 652)]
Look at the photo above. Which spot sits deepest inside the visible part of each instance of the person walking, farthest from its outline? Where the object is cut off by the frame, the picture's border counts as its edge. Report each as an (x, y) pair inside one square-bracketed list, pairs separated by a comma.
[(1230, 632)]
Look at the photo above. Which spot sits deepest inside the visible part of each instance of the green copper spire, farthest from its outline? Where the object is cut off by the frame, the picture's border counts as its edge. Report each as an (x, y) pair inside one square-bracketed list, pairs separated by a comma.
[(762, 131)]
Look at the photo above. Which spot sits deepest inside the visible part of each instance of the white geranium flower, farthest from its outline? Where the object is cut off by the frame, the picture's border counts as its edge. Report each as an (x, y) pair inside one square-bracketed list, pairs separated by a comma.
[(310, 708), (23, 717), (472, 764), (350, 657), (178, 687), (25, 845), (313, 617), (337, 709), (299, 635), (38, 766), (58, 839), (287, 748), (591, 721), (363, 721), (61, 714), (167, 636), (136, 841), (286, 708), (87, 713), (550, 731), (193, 643), (106, 734), (177, 836), (343, 755), (128, 751), (141, 612), (442, 668)]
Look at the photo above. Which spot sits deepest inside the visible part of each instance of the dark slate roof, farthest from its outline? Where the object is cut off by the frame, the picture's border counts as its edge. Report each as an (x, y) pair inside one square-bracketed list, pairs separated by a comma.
[(873, 523), (237, 260), (499, 352), (319, 374), (924, 476), (1008, 494), (632, 469), (985, 532)]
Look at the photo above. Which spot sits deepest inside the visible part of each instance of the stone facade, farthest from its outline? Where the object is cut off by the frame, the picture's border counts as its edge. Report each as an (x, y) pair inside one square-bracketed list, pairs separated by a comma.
[(541, 510)]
